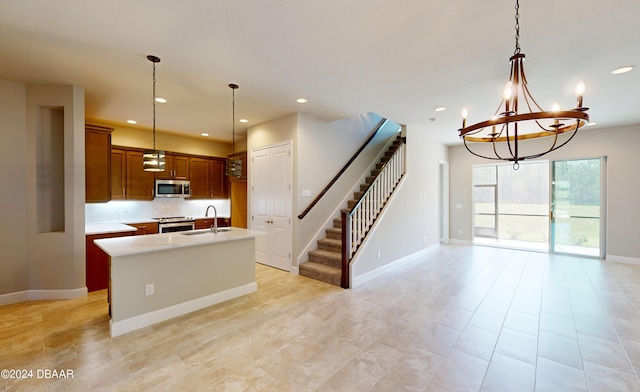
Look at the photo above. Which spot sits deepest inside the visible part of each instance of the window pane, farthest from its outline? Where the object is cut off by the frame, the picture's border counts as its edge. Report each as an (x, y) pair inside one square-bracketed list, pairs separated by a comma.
[(484, 175)]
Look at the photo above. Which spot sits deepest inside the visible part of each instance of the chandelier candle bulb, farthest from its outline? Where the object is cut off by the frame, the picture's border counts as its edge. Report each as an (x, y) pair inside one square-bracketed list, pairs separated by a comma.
[(580, 88), (465, 113), (506, 94)]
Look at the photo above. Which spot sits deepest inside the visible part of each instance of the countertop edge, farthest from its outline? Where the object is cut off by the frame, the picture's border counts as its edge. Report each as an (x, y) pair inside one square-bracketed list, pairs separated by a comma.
[(131, 245)]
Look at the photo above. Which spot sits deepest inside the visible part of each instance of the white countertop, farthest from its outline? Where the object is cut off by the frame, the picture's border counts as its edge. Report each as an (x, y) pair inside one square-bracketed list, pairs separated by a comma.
[(122, 246), (106, 227)]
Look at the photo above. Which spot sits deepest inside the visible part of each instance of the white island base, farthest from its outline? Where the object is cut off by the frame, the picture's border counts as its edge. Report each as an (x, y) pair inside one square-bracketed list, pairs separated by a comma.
[(188, 273)]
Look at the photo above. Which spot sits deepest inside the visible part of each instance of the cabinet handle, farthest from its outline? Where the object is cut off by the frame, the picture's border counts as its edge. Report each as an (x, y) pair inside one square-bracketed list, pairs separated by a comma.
[(123, 193)]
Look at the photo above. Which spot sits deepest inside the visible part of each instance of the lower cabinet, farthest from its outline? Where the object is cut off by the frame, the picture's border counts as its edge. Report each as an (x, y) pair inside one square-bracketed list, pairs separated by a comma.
[(205, 223), (97, 262), (145, 228)]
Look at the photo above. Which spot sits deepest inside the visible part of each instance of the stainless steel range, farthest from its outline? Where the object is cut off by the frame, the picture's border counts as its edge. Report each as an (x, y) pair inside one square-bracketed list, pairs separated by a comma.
[(172, 224)]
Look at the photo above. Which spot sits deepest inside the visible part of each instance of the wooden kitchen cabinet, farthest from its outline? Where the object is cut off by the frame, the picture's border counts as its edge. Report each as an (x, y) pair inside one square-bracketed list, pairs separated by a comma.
[(97, 261), (118, 174), (145, 228), (207, 177), (176, 167), (128, 179), (140, 183), (205, 223), (238, 193), (199, 177), (97, 154), (218, 181)]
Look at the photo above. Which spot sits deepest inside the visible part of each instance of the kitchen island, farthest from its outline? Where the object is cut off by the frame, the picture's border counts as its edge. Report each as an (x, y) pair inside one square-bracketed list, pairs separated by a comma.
[(157, 277)]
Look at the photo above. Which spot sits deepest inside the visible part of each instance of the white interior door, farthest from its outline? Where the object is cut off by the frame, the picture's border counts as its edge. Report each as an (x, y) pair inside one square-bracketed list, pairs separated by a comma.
[(271, 200)]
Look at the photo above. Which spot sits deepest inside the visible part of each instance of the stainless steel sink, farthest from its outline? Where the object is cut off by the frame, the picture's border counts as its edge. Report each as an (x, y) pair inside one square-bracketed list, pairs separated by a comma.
[(204, 231)]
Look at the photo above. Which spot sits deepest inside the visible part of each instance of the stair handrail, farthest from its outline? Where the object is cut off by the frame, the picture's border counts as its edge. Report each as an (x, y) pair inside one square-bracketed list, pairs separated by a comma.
[(364, 193), (344, 168), (347, 215)]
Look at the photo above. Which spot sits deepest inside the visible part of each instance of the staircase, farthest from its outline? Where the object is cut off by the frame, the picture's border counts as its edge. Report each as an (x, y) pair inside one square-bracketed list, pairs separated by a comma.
[(325, 263)]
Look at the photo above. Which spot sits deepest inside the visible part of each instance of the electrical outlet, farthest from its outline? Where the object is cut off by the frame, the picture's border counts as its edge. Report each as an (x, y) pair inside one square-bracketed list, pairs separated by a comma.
[(424, 239), (150, 289), (379, 254), (460, 232)]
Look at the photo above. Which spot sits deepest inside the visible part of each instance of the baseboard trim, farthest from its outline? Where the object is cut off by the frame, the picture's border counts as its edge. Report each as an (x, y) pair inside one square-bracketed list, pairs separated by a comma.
[(144, 320), (39, 295), (295, 270), (623, 259), (359, 280), (454, 241)]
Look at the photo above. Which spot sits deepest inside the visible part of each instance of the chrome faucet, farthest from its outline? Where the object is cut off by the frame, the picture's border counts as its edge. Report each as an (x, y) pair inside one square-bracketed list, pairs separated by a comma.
[(214, 227)]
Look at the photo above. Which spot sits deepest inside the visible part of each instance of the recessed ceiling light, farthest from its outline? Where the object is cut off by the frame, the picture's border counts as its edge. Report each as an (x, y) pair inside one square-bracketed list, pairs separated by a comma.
[(204, 134), (440, 109), (622, 70), (244, 120), (161, 100), (301, 100), (132, 121)]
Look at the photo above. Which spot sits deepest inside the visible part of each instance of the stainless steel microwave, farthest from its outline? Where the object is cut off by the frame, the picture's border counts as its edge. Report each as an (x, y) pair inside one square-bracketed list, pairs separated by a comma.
[(172, 188)]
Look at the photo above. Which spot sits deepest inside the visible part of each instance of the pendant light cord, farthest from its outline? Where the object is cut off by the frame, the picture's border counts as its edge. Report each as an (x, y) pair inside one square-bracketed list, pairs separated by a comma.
[(517, 51), (233, 120), (154, 106)]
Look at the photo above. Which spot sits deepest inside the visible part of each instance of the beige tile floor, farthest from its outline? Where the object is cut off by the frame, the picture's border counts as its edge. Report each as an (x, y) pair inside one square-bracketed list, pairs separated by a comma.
[(461, 319)]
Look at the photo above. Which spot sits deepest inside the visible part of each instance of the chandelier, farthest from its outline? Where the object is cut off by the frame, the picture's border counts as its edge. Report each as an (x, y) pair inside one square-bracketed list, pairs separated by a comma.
[(153, 160), (519, 117), (233, 165)]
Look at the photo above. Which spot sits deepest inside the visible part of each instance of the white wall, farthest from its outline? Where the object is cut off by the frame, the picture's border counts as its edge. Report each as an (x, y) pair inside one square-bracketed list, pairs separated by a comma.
[(320, 150), (323, 149), (410, 221), (618, 144), (13, 209)]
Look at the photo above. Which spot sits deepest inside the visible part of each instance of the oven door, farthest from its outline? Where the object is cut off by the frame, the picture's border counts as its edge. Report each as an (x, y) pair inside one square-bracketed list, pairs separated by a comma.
[(176, 226)]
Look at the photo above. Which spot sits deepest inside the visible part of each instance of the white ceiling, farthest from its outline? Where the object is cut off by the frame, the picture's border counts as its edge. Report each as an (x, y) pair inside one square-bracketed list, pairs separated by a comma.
[(399, 59)]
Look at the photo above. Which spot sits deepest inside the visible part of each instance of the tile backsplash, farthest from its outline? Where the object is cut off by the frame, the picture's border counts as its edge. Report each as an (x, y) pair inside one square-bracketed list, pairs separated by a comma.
[(128, 211)]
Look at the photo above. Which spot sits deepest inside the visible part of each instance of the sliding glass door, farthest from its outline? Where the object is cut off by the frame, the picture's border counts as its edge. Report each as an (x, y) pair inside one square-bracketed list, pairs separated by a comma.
[(577, 207), (511, 207), (555, 206)]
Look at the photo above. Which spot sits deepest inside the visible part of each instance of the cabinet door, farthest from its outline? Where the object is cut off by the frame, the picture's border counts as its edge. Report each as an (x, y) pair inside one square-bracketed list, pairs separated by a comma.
[(176, 168), (218, 180), (204, 223), (167, 174), (118, 174), (97, 154), (145, 228), (199, 177), (180, 167), (97, 262), (139, 182)]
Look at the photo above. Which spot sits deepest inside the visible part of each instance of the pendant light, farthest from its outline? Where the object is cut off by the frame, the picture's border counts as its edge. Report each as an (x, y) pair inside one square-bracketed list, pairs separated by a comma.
[(153, 160), (233, 167), (510, 125)]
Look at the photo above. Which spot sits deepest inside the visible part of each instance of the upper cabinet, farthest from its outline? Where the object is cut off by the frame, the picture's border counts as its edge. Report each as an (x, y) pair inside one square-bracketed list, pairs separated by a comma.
[(207, 177), (176, 168), (218, 182), (116, 172), (128, 178), (97, 154)]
